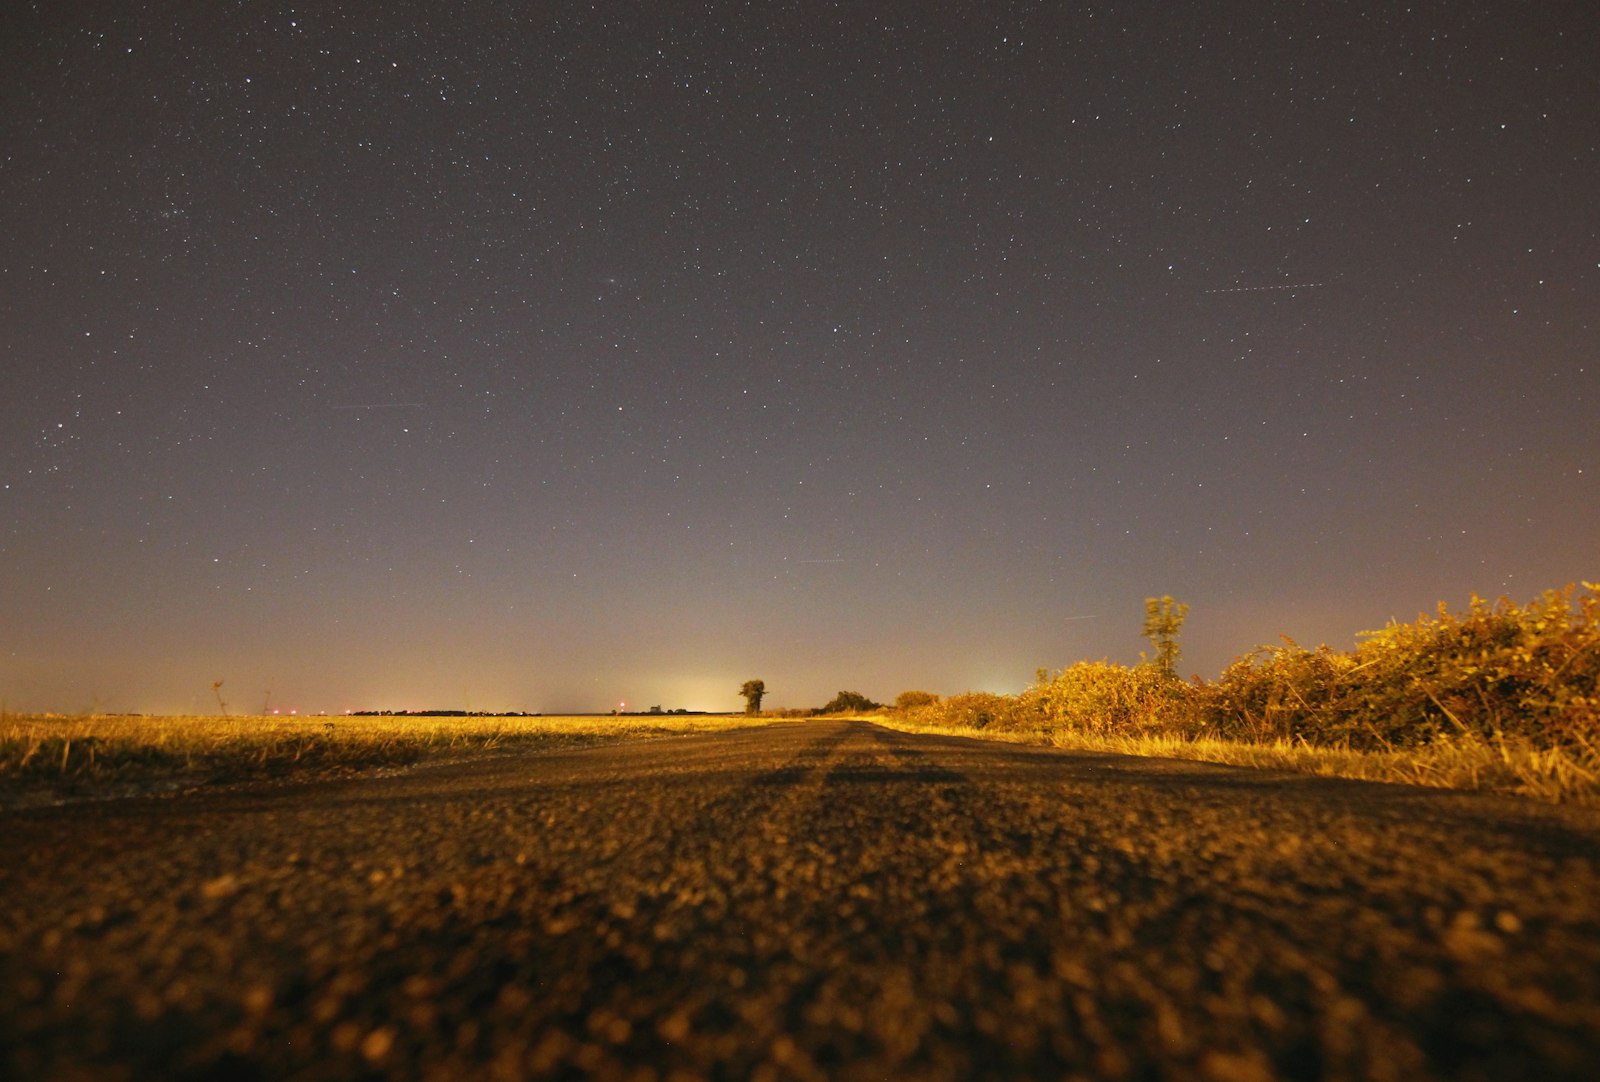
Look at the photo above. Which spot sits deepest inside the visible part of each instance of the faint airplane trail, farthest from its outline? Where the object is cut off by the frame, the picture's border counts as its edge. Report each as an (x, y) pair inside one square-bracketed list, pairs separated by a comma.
[(380, 406), (838, 561), (1262, 289)]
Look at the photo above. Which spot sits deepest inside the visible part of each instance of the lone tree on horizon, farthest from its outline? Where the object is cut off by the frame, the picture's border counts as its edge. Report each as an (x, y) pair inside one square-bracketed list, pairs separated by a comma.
[(752, 692), (1163, 617)]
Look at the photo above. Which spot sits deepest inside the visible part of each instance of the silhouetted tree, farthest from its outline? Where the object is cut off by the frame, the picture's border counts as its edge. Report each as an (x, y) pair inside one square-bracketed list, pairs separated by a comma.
[(1163, 618), (752, 691)]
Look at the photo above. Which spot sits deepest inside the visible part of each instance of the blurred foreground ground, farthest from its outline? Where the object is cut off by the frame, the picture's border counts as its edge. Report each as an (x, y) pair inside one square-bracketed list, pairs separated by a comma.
[(806, 900)]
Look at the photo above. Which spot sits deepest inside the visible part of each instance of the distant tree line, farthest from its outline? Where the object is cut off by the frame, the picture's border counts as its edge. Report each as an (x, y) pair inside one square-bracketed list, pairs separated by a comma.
[(846, 702)]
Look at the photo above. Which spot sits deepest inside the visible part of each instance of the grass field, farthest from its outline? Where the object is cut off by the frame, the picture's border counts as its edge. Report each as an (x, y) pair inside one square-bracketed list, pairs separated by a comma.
[(1513, 768), (61, 755)]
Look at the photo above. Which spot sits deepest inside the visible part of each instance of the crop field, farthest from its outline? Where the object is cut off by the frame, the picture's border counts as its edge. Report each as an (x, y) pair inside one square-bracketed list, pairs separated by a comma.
[(65, 755)]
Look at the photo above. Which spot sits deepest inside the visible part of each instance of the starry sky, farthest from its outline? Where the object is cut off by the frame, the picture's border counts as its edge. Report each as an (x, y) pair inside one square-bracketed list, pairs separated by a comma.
[(552, 356)]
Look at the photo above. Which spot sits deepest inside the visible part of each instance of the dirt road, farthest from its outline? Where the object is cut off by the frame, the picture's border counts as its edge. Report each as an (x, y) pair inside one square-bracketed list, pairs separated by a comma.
[(810, 900)]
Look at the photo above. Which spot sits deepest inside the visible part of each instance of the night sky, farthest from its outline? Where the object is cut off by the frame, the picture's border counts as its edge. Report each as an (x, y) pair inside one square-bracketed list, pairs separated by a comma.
[(514, 356)]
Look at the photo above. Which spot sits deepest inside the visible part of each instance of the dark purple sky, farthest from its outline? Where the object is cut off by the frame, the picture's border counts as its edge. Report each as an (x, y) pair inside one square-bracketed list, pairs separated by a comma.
[(415, 354)]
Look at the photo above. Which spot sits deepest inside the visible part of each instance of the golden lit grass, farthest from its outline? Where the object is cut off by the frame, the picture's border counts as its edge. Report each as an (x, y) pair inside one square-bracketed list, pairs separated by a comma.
[(86, 753), (1501, 767), (1501, 697)]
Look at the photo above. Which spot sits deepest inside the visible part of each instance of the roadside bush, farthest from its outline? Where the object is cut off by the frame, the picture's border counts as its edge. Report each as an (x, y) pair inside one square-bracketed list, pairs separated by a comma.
[(973, 710), (1100, 697), (1500, 674), (1496, 670), (1493, 672), (1275, 693), (848, 702), (914, 700)]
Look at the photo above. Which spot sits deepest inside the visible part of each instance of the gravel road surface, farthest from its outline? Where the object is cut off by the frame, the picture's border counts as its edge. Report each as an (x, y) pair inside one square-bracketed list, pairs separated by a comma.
[(816, 900)]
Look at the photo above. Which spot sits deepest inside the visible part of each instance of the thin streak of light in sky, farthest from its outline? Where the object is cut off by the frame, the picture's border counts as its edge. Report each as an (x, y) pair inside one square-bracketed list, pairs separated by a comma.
[(1263, 289)]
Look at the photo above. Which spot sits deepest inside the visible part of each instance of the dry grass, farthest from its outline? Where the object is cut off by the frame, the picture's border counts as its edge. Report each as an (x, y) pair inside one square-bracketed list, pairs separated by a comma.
[(77, 754), (1499, 696), (1501, 766)]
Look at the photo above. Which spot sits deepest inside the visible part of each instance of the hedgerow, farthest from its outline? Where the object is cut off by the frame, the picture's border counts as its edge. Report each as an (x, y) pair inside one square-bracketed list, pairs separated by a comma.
[(1491, 672), (1496, 672)]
